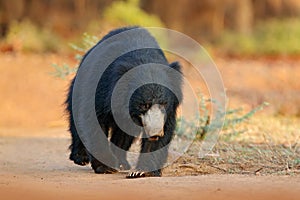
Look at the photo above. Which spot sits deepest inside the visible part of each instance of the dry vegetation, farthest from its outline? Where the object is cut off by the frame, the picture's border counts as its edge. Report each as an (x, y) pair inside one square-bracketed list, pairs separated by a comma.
[(268, 145)]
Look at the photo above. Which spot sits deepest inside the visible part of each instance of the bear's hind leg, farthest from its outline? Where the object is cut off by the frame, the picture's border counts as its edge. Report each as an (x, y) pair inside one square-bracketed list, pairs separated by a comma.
[(100, 167), (79, 153)]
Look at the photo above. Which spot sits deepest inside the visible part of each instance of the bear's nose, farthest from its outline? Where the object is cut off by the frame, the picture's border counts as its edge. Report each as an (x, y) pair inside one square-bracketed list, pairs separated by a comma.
[(152, 133)]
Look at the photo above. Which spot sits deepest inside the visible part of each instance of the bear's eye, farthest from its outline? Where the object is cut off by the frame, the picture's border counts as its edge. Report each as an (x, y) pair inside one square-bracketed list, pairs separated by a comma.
[(164, 104), (145, 106)]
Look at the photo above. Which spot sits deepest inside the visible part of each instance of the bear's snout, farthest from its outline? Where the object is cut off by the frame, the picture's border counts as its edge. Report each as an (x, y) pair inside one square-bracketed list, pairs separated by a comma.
[(153, 122)]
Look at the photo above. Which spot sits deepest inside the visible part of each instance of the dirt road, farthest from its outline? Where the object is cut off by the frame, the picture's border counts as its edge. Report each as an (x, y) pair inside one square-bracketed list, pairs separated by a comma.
[(37, 167)]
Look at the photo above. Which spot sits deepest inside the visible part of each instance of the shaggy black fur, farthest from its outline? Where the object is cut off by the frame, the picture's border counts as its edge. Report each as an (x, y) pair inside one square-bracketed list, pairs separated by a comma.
[(140, 102)]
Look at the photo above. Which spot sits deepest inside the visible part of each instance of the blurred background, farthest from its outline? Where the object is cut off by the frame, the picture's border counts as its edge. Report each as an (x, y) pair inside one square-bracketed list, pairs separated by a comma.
[(250, 26), (255, 44)]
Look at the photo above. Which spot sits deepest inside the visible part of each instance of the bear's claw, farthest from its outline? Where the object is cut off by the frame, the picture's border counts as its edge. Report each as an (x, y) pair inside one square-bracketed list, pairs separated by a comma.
[(136, 174)]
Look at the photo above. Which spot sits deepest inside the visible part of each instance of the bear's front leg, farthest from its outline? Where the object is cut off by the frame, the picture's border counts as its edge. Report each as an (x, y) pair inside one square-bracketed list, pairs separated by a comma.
[(152, 158), (154, 153)]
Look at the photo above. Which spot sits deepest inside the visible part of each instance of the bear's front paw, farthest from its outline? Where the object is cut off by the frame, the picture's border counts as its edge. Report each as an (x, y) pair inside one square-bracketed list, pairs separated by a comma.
[(100, 168), (104, 170), (80, 159)]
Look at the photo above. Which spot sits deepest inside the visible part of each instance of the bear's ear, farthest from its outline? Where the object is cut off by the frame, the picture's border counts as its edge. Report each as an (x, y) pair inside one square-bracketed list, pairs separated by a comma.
[(176, 65), (176, 81)]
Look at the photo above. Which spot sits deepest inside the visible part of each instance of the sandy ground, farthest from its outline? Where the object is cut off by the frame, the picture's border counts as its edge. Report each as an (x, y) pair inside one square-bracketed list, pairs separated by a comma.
[(37, 167)]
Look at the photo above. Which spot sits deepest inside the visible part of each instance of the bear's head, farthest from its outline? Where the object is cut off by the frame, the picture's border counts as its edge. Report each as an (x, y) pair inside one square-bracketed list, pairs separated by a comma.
[(150, 106)]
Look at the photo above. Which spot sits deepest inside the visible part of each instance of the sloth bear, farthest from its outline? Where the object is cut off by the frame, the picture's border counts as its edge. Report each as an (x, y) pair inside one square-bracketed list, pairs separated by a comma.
[(152, 104)]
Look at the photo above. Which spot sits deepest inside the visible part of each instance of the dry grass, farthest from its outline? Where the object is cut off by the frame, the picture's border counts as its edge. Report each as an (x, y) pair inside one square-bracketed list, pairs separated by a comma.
[(270, 145), (242, 158)]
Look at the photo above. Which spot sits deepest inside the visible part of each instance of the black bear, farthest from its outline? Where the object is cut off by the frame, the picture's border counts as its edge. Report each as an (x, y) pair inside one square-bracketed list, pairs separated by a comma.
[(152, 105)]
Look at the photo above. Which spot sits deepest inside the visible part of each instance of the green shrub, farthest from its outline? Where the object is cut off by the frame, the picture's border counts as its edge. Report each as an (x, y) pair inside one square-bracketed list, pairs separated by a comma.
[(64, 70), (271, 37), (231, 127), (27, 37), (124, 13)]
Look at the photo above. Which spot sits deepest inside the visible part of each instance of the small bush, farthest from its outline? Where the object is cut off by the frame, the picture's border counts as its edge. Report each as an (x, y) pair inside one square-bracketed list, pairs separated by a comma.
[(64, 70), (231, 127), (27, 37), (124, 13), (272, 37)]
